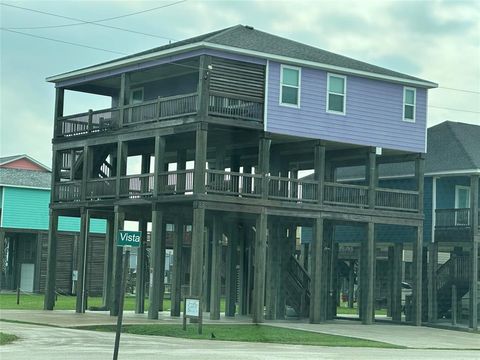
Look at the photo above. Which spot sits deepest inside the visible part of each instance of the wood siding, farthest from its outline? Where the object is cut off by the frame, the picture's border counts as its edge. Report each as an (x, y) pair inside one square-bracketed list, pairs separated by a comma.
[(238, 79), (374, 112)]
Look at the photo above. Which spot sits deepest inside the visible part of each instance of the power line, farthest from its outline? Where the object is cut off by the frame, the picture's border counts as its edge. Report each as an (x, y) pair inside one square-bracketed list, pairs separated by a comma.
[(64, 42), (463, 90), (447, 108), (94, 22)]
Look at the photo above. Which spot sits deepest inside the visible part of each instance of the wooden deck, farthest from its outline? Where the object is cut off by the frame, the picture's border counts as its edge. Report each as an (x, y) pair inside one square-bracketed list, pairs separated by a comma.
[(161, 109), (234, 184)]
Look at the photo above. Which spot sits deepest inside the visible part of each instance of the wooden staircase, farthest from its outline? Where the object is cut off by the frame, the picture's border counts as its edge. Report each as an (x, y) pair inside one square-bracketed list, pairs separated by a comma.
[(297, 287), (456, 271)]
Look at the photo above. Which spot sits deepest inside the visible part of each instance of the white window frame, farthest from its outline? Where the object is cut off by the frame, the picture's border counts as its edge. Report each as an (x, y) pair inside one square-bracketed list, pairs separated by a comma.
[(405, 88), (327, 102), (131, 94), (282, 85)]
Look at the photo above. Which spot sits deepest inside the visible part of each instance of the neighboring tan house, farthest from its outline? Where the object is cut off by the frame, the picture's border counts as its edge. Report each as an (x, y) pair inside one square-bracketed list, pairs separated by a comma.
[(24, 207)]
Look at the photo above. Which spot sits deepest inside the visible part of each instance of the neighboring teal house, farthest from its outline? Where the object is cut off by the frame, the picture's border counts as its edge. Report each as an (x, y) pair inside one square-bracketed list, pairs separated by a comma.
[(24, 212)]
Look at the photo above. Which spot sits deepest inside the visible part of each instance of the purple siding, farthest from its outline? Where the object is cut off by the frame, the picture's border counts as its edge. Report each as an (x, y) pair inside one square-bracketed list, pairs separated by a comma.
[(374, 112)]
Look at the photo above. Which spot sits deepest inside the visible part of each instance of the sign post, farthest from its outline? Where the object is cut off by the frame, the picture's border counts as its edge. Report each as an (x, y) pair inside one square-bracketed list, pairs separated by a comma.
[(192, 310), (126, 239)]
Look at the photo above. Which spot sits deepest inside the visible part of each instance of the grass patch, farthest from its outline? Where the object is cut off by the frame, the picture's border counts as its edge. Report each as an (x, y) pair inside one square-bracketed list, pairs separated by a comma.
[(35, 302), (346, 310), (7, 338), (247, 333)]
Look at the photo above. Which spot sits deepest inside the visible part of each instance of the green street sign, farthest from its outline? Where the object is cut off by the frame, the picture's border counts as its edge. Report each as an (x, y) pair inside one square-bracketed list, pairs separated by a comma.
[(129, 238)]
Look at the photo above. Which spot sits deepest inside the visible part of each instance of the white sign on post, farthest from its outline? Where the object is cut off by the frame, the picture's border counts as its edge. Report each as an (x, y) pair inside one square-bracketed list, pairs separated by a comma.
[(192, 307)]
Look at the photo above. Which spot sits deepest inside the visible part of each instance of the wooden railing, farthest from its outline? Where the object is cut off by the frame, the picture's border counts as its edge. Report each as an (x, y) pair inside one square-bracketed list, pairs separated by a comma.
[(292, 189), (449, 218), (233, 183), (85, 123), (161, 109), (395, 199), (175, 182), (238, 184), (235, 107), (100, 189), (346, 195), (136, 186), (68, 191)]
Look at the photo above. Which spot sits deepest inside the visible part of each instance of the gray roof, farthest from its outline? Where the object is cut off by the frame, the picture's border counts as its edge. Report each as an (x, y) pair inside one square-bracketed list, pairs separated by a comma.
[(247, 38), (451, 147), (6, 159), (25, 178)]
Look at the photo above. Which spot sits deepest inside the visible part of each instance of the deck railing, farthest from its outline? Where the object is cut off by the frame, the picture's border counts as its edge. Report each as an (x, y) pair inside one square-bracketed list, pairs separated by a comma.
[(162, 108), (346, 195), (396, 199), (233, 183), (175, 182), (292, 189), (136, 186), (100, 189), (235, 108), (68, 191), (452, 218), (246, 185), (88, 122)]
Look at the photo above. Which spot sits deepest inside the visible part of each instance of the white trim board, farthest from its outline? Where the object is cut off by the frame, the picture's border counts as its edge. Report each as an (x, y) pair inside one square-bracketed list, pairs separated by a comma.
[(279, 58)]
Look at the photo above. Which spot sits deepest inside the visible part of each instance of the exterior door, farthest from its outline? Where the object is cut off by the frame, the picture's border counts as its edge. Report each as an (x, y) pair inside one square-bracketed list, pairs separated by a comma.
[(462, 204)]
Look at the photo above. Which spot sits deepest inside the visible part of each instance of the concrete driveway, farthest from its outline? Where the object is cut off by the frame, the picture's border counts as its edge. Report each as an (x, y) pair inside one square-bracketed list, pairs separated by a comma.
[(46, 342)]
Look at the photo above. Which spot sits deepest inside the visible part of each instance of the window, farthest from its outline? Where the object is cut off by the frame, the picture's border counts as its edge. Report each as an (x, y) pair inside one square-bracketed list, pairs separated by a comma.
[(136, 96), (290, 86), (409, 99), (336, 94)]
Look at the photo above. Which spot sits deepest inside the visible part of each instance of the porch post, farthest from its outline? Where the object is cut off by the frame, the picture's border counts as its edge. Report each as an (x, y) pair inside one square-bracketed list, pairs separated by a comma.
[(319, 168), (397, 282), (49, 301), (474, 213), (317, 284), (82, 261), (368, 282), (417, 276), (216, 267), (121, 169), (108, 264), (200, 159), (159, 163), (117, 261), (259, 267), (196, 263), (141, 267), (432, 282), (177, 266), (264, 163), (157, 262), (231, 272)]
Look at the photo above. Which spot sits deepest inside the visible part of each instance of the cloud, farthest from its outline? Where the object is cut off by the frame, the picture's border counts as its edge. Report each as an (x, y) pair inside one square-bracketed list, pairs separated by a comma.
[(434, 40)]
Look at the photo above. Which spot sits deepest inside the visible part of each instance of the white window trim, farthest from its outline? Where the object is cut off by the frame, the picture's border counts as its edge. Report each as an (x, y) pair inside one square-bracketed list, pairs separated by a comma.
[(298, 87), (457, 189), (131, 94), (344, 112), (405, 88)]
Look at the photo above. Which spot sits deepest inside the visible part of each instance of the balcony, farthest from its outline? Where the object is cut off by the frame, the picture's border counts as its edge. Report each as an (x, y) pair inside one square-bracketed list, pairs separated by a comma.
[(161, 109), (240, 185), (453, 224)]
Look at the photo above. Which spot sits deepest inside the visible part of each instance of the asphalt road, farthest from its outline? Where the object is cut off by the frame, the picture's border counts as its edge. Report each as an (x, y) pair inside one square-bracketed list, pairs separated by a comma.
[(50, 343)]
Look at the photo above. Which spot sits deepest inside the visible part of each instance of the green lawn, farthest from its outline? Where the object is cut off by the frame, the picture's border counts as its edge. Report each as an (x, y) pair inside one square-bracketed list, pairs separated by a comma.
[(346, 310), (35, 302), (7, 338), (246, 332)]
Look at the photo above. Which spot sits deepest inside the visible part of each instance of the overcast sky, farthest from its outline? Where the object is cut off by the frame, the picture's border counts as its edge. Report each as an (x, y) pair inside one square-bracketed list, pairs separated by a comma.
[(434, 40)]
